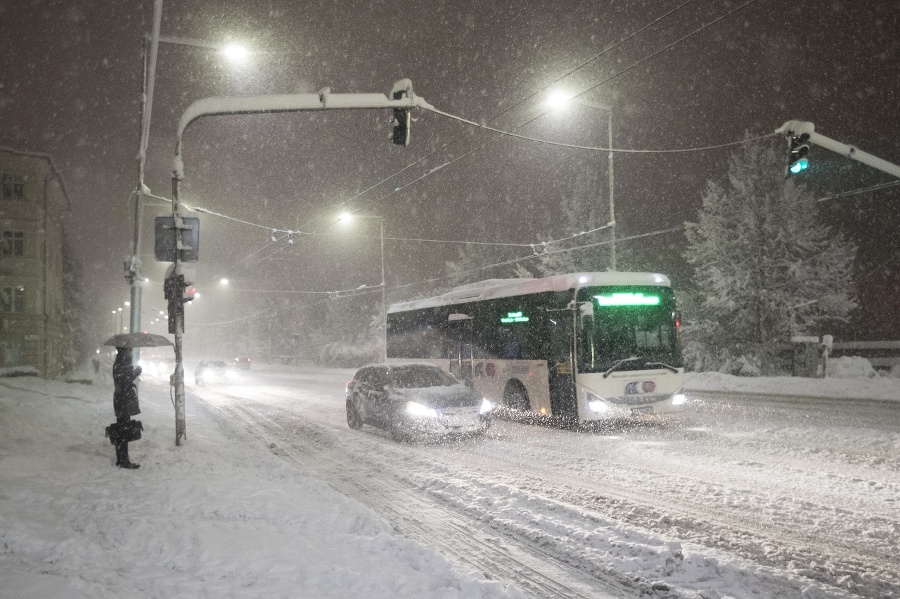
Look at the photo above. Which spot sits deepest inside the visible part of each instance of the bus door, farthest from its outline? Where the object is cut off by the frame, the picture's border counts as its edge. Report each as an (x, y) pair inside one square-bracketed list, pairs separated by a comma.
[(458, 347), (560, 362)]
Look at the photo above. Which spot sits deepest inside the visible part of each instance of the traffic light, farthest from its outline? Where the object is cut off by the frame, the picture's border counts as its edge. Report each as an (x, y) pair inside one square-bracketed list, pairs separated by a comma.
[(177, 293), (798, 149), (401, 122)]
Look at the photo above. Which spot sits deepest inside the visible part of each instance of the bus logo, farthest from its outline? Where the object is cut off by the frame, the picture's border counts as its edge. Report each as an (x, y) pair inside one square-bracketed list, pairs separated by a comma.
[(638, 387)]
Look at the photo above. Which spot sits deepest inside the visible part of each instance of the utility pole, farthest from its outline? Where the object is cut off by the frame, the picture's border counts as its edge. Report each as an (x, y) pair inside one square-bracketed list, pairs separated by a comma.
[(612, 209), (133, 266)]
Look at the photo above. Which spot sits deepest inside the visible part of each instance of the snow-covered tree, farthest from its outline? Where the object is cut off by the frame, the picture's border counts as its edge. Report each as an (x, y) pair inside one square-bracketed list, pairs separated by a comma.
[(764, 267)]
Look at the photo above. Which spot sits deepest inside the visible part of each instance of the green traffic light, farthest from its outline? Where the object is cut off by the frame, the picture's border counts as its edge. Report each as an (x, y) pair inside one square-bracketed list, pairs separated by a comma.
[(800, 165)]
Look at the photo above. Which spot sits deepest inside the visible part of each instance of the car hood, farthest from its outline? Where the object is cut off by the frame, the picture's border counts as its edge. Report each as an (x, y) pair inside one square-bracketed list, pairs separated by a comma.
[(455, 396)]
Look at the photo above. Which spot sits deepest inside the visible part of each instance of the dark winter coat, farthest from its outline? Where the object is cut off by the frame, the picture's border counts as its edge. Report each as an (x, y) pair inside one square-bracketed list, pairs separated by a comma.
[(125, 397)]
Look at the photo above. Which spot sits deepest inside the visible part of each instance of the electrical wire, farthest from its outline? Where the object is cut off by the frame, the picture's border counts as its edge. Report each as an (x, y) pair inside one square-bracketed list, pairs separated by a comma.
[(843, 194), (608, 79), (509, 133), (508, 109), (596, 148)]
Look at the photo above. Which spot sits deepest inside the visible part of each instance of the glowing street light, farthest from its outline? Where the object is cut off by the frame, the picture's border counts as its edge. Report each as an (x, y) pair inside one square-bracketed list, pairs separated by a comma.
[(237, 53), (559, 99)]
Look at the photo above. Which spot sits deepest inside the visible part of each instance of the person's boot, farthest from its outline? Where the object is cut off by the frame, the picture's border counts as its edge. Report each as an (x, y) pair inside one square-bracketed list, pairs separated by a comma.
[(121, 454), (122, 457)]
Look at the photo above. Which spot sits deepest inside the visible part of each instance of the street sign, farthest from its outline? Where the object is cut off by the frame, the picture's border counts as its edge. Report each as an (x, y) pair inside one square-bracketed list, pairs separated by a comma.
[(165, 241)]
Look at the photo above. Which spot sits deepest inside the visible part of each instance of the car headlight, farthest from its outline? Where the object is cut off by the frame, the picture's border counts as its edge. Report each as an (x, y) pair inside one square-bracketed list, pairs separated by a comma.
[(417, 409), (595, 404), (486, 407), (678, 399)]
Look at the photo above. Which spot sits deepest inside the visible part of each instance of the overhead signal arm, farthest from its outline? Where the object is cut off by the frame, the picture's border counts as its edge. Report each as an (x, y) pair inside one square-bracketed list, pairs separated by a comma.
[(802, 133)]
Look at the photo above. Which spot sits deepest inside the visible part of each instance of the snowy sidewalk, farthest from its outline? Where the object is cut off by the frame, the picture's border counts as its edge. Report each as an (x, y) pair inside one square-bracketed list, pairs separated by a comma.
[(215, 518)]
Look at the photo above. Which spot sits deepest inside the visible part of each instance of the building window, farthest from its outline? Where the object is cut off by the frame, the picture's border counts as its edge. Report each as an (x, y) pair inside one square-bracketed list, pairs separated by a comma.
[(13, 186), (12, 299), (13, 243)]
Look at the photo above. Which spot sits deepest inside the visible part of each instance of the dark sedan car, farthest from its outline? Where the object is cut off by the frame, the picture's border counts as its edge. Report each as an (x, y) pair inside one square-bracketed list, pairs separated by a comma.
[(414, 398)]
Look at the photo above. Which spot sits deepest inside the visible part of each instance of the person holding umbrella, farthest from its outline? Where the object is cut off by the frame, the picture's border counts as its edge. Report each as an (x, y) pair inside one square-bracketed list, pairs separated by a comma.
[(125, 405), (125, 396)]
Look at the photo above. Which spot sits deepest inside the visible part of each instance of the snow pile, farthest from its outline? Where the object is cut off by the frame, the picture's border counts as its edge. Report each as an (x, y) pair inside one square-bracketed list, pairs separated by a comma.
[(214, 518), (850, 367)]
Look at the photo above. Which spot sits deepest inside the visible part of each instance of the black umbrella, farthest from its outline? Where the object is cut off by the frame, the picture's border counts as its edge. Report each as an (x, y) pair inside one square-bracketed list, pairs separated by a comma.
[(131, 340)]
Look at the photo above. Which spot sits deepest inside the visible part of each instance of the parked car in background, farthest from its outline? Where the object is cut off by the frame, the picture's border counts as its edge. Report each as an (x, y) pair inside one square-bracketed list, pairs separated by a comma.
[(242, 363), (212, 373), (407, 399)]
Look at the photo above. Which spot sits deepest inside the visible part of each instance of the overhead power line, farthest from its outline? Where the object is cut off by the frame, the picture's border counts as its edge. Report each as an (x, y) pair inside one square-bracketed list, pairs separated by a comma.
[(511, 107), (597, 148)]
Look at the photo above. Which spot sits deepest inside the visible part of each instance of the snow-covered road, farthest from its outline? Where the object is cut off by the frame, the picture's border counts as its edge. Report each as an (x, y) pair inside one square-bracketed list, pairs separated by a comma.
[(800, 494)]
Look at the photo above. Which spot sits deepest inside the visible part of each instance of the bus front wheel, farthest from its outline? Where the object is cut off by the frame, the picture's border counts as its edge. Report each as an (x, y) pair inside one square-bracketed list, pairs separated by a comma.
[(515, 396)]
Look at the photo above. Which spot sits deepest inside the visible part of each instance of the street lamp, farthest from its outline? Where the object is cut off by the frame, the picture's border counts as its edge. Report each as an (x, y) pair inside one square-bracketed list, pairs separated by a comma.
[(233, 52), (347, 217), (560, 99)]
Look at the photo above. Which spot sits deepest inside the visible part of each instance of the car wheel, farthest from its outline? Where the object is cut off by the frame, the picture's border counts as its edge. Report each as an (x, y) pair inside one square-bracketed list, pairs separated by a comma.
[(399, 430), (354, 419)]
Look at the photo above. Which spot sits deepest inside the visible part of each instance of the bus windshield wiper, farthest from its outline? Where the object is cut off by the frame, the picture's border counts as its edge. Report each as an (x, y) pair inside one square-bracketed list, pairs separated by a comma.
[(664, 365), (619, 363)]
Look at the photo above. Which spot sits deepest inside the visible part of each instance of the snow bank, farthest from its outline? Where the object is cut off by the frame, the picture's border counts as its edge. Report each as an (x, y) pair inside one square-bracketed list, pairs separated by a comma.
[(862, 386), (850, 367), (214, 518)]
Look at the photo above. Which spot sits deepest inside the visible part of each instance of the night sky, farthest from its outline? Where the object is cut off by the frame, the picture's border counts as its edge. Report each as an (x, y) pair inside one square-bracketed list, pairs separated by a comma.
[(70, 85)]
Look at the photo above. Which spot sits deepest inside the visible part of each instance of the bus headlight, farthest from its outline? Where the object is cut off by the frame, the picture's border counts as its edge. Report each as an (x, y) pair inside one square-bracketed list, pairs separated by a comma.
[(595, 404), (678, 399), (485, 407), (417, 409)]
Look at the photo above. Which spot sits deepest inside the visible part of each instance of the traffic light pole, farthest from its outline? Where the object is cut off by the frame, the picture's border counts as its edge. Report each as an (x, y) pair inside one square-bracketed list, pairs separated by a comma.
[(178, 376), (797, 128), (402, 99)]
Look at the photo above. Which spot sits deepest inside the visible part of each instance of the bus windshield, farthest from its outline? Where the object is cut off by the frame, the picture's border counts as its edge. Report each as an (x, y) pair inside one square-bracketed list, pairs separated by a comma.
[(619, 323)]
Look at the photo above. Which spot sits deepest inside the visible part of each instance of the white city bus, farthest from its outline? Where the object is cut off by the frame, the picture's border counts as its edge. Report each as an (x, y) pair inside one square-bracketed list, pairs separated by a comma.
[(582, 346)]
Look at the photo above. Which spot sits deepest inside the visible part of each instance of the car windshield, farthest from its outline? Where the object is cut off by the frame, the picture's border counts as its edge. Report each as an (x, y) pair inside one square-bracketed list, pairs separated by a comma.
[(415, 377)]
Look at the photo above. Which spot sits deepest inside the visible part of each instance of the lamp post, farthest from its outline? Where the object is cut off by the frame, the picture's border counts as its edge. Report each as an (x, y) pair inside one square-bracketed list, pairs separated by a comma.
[(560, 99), (234, 52), (346, 217), (612, 204)]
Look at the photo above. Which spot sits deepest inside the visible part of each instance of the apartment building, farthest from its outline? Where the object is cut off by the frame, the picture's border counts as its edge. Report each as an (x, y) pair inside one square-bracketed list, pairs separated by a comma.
[(32, 200)]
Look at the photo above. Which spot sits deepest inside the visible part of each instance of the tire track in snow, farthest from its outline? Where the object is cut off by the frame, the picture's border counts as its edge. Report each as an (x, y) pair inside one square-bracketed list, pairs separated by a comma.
[(380, 489)]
